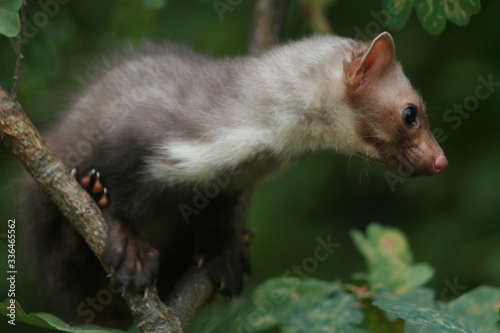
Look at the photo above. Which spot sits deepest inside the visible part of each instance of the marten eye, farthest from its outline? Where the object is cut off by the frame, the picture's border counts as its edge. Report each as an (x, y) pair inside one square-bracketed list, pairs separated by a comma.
[(410, 116)]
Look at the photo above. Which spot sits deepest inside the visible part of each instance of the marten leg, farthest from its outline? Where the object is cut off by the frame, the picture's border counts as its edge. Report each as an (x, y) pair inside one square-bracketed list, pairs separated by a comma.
[(221, 243), (132, 261)]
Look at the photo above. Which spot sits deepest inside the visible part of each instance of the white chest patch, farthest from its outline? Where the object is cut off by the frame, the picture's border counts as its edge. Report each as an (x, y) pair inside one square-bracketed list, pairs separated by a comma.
[(202, 161)]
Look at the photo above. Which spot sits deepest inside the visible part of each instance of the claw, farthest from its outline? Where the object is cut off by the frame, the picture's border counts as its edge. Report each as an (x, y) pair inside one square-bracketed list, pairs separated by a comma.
[(222, 285), (104, 201), (73, 172), (98, 187), (85, 181)]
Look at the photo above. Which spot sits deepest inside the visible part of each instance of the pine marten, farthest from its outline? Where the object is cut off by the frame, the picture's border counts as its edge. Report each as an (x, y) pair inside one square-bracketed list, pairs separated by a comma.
[(178, 140)]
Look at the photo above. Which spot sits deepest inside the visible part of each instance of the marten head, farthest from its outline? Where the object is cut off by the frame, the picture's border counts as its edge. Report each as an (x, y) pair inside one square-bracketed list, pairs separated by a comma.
[(390, 116)]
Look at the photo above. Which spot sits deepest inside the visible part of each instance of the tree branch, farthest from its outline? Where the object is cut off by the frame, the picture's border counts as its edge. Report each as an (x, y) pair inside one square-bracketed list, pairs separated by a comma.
[(185, 304), (267, 24)]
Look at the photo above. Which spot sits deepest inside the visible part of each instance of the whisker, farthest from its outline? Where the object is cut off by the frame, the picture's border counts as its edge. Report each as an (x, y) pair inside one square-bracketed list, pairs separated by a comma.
[(349, 161)]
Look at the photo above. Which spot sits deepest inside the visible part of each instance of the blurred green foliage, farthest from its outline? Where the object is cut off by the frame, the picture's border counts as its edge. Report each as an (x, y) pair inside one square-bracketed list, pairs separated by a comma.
[(9, 18), (452, 219), (394, 286), (393, 301), (432, 14)]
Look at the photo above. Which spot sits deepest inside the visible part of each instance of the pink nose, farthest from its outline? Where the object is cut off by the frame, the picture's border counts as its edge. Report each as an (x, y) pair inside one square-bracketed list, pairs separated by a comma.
[(440, 164)]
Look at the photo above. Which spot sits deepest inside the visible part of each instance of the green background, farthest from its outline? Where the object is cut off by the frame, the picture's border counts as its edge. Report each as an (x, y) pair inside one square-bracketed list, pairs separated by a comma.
[(452, 220)]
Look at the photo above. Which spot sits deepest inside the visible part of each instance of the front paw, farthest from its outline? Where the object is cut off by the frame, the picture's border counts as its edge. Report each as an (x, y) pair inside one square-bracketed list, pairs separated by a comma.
[(92, 182), (132, 261), (227, 266)]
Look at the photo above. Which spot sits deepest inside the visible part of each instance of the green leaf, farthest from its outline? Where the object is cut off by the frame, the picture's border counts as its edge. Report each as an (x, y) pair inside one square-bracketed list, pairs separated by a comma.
[(425, 316), (274, 298), (389, 260), (397, 12), (422, 297), (479, 308), (304, 306), (9, 19), (432, 14), (473, 312), (459, 11), (49, 321), (21, 316), (337, 314)]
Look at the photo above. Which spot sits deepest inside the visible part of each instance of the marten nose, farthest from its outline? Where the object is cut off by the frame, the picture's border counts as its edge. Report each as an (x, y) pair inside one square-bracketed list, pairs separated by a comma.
[(440, 164)]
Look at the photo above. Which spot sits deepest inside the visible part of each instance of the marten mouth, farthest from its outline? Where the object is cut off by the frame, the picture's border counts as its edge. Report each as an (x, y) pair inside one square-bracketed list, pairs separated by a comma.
[(403, 167), (410, 169)]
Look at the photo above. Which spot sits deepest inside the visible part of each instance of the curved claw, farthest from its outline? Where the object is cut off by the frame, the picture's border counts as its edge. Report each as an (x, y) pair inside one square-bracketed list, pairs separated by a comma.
[(98, 186), (86, 180), (104, 201)]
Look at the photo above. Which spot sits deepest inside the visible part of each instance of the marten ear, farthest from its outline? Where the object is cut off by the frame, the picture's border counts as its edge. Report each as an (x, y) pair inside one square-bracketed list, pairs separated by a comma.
[(379, 56)]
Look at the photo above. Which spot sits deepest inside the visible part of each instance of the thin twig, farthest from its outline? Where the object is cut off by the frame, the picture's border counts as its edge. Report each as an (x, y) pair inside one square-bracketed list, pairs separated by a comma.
[(267, 24), (315, 12), (185, 304), (20, 56)]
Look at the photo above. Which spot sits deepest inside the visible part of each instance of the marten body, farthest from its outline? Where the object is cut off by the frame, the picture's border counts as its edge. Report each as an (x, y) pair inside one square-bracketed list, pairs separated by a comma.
[(180, 139)]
